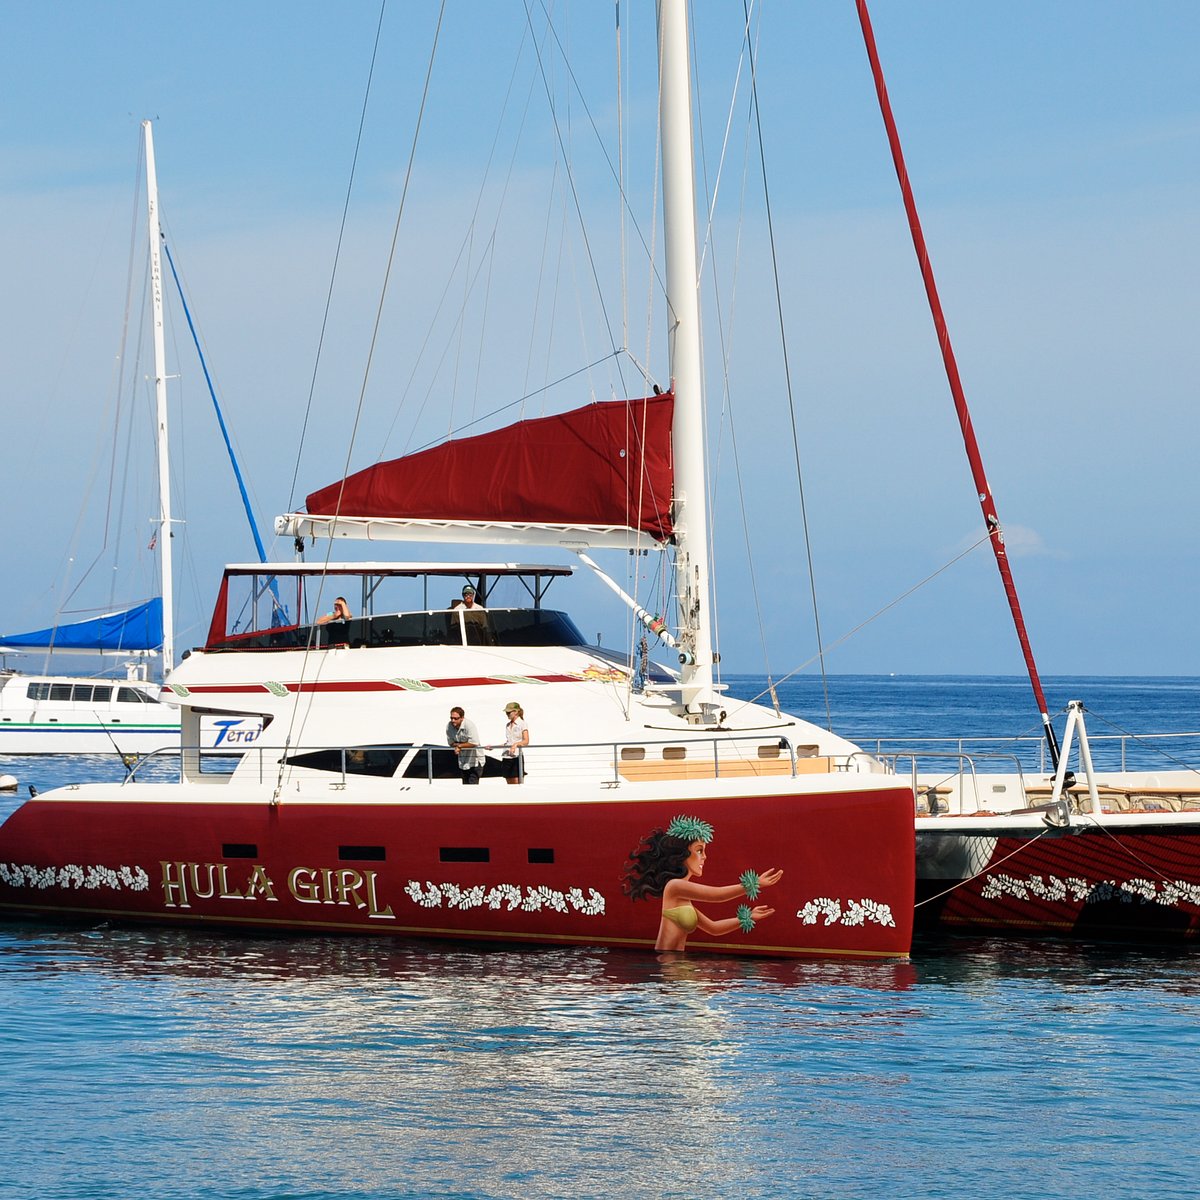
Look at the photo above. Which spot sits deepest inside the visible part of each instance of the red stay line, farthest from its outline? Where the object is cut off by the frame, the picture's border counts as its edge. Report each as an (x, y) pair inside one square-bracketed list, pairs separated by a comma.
[(996, 534)]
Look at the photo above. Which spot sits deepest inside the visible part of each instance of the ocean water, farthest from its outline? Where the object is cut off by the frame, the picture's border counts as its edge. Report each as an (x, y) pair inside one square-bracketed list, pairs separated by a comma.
[(180, 1064)]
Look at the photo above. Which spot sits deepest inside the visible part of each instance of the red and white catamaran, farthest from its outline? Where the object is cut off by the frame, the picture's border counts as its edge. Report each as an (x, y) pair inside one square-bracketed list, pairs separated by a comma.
[(653, 813)]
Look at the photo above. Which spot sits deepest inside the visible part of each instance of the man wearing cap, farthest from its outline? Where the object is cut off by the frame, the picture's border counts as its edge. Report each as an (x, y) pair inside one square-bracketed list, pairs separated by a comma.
[(463, 737), (468, 600)]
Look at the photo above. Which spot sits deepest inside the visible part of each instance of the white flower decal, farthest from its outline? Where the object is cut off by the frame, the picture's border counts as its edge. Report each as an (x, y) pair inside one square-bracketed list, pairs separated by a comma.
[(508, 895), (855, 912), (1169, 892), (16, 875)]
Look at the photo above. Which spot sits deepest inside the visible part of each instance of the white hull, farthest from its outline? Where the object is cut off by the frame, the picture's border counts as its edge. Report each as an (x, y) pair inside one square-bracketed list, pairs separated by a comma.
[(61, 714)]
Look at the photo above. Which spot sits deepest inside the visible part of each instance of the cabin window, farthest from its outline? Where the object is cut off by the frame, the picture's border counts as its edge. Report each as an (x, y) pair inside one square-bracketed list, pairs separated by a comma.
[(464, 854), (541, 855), (770, 750), (38, 691), (674, 753), (128, 695), (380, 761), (433, 763), (239, 850), (60, 691), (362, 854), (633, 753)]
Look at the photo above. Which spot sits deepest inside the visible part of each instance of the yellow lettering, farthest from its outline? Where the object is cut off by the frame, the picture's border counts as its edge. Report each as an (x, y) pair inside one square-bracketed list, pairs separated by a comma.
[(259, 884), (226, 894), (302, 883), (174, 885), (373, 909), (199, 892), (348, 883)]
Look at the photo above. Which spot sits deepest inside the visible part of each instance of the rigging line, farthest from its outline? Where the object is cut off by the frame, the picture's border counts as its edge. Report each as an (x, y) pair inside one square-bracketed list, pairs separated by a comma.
[(463, 253), (726, 408), (970, 444), (599, 141), (212, 391), (123, 342), (489, 251), (541, 272), (1144, 743), (337, 254), (874, 617), (624, 248), (1137, 858), (115, 395), (495, 412), (787, 373), (986, 871), (612, 341), (126, 389), (710, 216), (370, 358)]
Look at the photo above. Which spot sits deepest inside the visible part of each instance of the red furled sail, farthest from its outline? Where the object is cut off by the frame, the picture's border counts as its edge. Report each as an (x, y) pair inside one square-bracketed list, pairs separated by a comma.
[(606, 464)]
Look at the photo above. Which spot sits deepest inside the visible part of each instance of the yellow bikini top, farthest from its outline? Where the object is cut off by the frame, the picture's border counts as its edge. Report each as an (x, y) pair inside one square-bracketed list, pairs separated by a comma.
[(685, 916)]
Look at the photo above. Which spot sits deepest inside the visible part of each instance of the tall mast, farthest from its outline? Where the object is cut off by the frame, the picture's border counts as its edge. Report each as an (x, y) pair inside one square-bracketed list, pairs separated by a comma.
[(160, 398), (683, 315)]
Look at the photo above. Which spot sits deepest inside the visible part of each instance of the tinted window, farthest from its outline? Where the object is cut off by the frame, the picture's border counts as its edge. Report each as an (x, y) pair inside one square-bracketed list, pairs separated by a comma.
[(38, 691), (534, 627), (434, 762), (60, 691), (353, 760), (133, 696)]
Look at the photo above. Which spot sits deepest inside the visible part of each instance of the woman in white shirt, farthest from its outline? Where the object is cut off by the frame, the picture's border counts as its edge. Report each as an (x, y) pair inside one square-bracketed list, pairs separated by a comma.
[(516, 738)]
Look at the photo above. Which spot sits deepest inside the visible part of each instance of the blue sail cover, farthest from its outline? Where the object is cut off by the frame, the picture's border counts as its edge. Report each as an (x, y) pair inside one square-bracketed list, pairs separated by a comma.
[(131, 629)]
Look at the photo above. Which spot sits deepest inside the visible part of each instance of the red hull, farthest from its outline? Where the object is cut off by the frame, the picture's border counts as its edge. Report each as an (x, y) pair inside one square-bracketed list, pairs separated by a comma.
[(524, 872), (1117, 882)]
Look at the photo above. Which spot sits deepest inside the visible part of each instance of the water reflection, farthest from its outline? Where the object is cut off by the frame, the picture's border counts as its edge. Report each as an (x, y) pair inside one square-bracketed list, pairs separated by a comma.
[(166, 952), (188, 1062)]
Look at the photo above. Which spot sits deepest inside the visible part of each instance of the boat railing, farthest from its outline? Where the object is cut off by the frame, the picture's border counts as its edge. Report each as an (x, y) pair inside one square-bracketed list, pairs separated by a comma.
[(610, 763), (938, 792), (1110, 751)]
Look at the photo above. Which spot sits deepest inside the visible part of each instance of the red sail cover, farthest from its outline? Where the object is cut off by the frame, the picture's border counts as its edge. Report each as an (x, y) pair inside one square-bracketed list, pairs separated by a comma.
[(604, 464)]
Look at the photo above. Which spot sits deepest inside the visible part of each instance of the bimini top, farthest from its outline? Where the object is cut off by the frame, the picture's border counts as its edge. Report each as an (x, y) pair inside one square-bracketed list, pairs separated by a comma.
[(135, 630), (600, 475)]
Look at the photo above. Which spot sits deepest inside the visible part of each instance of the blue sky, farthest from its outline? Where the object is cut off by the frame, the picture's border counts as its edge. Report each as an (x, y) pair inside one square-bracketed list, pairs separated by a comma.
[(1055, 153)]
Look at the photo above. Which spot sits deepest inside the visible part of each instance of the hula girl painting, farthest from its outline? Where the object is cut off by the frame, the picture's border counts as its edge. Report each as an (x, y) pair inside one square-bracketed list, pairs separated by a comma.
[(668, 862)]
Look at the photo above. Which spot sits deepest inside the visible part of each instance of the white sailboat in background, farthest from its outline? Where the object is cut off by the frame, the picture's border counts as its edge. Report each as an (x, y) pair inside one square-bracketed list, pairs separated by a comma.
[(67, 714)]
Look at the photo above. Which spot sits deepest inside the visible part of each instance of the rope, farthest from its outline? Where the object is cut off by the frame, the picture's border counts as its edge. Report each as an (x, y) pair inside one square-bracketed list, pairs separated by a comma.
[(874, 617), (337, 254), (370, 358), (1143, 742), (979, 874), (787, 373)]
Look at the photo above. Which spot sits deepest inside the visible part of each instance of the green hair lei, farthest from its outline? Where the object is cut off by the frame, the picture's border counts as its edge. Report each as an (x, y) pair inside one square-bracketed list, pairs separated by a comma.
[(690, 829), (745, 920)]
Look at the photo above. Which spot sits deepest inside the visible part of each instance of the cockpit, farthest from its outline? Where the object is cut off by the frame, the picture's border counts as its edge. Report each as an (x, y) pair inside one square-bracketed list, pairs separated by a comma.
[(291, 606)]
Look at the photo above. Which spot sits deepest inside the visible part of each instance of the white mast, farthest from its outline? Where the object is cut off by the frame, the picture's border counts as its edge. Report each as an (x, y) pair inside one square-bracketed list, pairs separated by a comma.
[(160, 396), (683, 303)]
